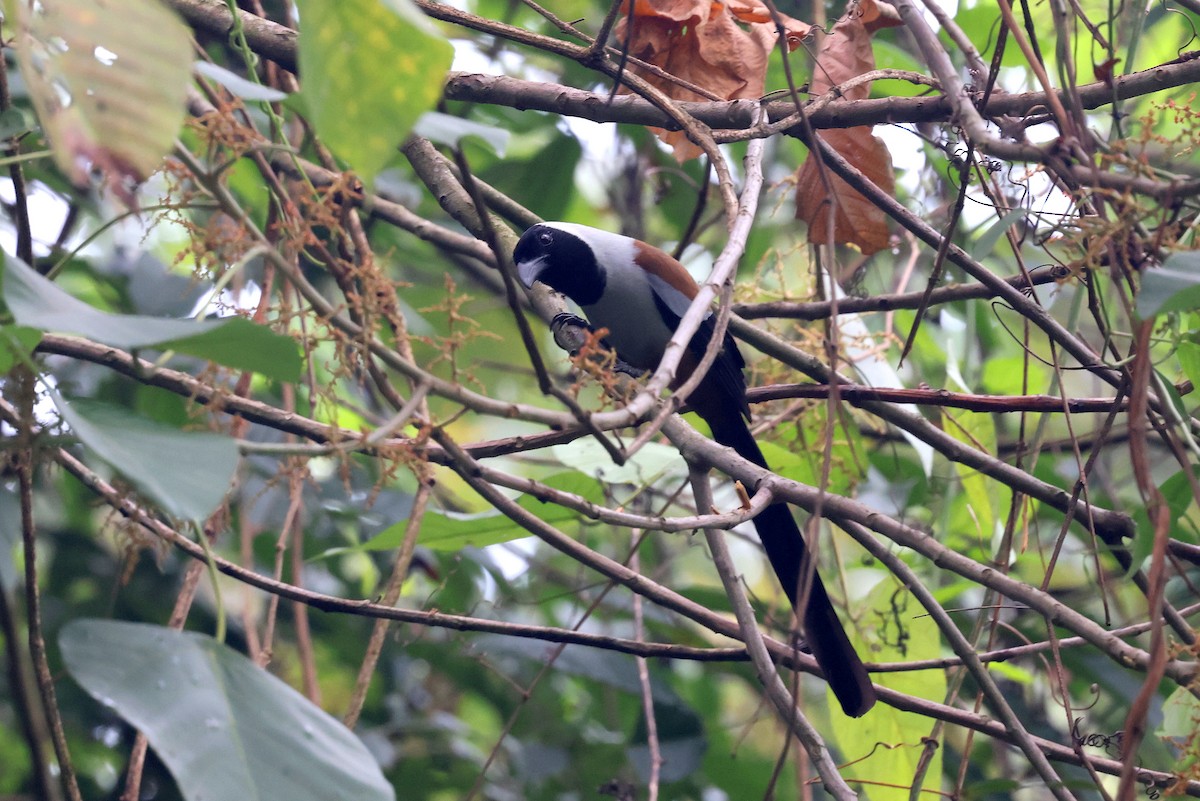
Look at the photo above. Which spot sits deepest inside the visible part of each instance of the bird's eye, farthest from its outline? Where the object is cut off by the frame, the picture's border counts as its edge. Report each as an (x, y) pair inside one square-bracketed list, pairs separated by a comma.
[(545, 238)]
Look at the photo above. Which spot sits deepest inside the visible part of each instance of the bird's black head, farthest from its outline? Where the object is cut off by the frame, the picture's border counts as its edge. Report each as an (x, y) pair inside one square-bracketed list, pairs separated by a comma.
[(559, 255)]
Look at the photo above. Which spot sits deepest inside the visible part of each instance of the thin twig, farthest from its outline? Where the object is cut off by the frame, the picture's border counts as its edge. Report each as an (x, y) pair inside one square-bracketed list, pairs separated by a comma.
[(24, 459), (643, 672), (391, 594), (779, 651), (785, 705), (963, 649)]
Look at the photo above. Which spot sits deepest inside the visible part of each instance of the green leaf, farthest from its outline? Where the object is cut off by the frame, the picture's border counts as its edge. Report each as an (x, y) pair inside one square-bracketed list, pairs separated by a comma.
[(652, 462), (446, 129), (1188, 353), (1006, 375), (10, 540), (14, 123), (371, 68), (186, 472), (16, 343), (987, 500), (246, 90), (1175, 286), (1172, 393), (891, 57), (980, 22), (1013, 672), (223, 726), (994, 788), (803, 457), (1181, 710), (453, 532), (892, 626), (109, 84), (681, 743), (236, 342), (611, 669), (680, 728), (1177, 492), (545, 181), (39, 303), (987, 241)]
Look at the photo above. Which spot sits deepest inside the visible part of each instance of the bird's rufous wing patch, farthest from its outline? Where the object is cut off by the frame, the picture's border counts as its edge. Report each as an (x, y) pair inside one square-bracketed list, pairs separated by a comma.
[(659, 264)]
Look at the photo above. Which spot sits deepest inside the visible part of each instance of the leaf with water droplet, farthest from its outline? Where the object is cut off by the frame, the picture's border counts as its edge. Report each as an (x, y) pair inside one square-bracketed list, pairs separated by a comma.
[(231, 730)]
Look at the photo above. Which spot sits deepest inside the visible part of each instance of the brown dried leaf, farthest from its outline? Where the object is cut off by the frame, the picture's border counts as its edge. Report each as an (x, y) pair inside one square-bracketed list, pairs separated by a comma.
[(846, 53), (857, 221), (877, 15), (705, 44)]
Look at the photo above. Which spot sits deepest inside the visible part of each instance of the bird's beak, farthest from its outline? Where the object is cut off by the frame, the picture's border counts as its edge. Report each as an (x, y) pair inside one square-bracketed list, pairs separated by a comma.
[(529, 270)]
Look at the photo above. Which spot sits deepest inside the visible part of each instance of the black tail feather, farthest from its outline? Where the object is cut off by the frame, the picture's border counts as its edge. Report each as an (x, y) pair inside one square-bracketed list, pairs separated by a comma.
[(784, 544)]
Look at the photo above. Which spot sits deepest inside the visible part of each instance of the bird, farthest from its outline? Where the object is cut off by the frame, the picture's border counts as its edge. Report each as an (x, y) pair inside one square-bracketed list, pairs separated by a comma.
[(639, 294)]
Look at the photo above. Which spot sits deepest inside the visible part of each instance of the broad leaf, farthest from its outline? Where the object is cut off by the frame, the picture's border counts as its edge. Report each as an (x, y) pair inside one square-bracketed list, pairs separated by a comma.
[(1175, 286), (721, 47), (10, 540), (987, 501), (453, 532), (1179, 715), (16, 343), (1176, 491), (239, 86), (1188, 352), (986, 243), (109, 83), (14, 122), (223, 726), (680, 729), (618, 671), (370, 69), (682, 743), (856, 220), (235, 342), (186, 472), (1014, 375), (897, 630), (652, 462), (846, 53), (446, 129), (803, 458)]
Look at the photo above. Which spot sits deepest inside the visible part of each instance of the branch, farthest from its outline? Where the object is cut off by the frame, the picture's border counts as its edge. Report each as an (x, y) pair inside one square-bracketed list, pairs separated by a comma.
[(278, 43), (819, 310), (845, 511), (859, 395), (780, 652), (738, 114), (774, 687), (1112, 525), (966, 652)]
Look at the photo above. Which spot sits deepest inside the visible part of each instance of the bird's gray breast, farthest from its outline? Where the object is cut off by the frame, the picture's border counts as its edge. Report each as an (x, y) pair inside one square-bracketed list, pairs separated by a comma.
[(634, 322)]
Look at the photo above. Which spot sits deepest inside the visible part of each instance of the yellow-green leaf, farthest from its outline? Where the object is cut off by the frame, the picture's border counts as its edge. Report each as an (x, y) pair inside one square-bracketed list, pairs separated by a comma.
[(108, 81), (16, 344), (369, 69), (884, 746), (453, 532), (987, 500)]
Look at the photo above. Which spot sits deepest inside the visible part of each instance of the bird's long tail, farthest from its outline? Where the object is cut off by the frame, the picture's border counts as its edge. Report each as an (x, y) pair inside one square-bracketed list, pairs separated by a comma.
[(784, 544)]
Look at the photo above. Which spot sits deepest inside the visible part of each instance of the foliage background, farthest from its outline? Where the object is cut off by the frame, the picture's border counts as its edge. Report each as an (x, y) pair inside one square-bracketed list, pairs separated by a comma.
[(355, 558)]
